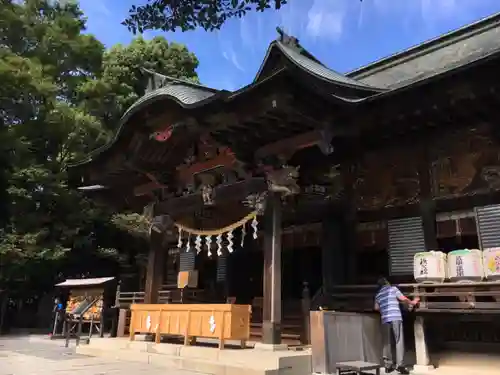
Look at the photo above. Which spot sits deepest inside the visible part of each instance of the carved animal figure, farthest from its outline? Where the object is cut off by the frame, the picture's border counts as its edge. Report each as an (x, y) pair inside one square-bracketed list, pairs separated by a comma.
[(491, 175), (284, 180), (166, 133), (375, 185), (207, 194), (386, 179), (207, 190), (454, 174), (162, 135), (256, 202)]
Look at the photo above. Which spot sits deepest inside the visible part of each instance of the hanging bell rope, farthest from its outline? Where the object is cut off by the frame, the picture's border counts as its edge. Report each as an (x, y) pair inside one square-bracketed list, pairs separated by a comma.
[(216, 232)]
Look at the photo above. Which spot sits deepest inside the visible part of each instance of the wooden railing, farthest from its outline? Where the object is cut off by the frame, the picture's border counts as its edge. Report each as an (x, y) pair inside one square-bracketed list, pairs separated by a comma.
[(474, 297), (295, 312), (125, 299)]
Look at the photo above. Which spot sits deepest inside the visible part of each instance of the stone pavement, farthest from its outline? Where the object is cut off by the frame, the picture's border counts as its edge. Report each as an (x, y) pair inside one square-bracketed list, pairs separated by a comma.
[(25, 355)]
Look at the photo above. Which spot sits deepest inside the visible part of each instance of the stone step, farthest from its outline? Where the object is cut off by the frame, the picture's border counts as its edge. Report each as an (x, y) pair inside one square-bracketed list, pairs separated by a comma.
[(202, 359)]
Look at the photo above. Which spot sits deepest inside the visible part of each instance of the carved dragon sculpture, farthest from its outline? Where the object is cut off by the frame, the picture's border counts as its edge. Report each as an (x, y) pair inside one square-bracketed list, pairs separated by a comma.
[(284, 180)]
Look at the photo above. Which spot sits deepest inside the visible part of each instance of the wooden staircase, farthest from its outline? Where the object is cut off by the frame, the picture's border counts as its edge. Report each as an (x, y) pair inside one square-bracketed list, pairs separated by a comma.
[(290, 333), (292, 325)]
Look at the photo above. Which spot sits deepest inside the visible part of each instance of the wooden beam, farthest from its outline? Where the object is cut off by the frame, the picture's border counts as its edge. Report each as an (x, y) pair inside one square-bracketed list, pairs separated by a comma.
[(225, 158), (290, 145), (231, 192)]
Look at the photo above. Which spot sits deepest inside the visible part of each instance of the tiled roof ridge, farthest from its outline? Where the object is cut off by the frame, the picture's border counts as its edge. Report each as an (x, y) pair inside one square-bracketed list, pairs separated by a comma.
[(169, 80), (426, 47)]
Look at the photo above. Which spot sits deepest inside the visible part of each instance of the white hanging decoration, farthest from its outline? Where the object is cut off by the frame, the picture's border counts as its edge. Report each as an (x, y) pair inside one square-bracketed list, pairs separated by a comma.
[(230, 244), (208, 241), (197, 243), (218, 241), (217, 235), (254, 225), (179, 240), (243, 233)]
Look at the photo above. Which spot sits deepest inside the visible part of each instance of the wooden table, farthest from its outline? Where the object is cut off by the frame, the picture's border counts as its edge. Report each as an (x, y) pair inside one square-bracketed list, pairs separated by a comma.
[(220, 321)]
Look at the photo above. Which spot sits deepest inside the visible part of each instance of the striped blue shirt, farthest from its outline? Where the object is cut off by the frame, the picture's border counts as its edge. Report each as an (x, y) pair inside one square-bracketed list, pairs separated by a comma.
[(387, 299)]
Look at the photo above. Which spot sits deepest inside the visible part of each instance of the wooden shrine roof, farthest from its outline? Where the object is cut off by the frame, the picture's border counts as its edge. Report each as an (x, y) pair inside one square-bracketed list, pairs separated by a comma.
[(381, 79), (443, 53), (357, 97)]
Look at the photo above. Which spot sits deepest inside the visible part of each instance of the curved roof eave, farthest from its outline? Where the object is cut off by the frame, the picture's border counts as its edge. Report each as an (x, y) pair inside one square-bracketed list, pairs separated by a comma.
[(314, 67), (180, 94), (322, 72)]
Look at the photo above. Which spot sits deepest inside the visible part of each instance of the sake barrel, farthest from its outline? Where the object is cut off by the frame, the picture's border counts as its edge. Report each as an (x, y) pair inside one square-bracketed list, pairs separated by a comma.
[(429, 267), (465, 265), (491, 263)]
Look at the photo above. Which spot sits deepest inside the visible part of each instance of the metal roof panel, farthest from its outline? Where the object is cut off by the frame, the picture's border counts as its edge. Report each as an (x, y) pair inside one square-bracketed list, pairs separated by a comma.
[(86, 282)]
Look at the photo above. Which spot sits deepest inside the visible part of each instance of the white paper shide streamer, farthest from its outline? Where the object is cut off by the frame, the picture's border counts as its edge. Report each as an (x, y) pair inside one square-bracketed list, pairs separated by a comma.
[(218, 241), (208, 241), (197, 243), (222, 237), (229, 238), (255, 228)]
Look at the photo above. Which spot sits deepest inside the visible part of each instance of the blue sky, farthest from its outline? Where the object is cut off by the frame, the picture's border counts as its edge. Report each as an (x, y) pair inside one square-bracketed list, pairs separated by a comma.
[(343, 34)]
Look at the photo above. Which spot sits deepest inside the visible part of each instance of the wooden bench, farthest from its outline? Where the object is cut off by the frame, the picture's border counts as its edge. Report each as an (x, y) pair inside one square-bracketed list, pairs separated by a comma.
[(357, 366)]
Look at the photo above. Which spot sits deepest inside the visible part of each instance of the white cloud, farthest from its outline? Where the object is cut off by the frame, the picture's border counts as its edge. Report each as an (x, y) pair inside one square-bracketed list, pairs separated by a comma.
[(228, 52), (429, 11), (326, 19), (247, 35)]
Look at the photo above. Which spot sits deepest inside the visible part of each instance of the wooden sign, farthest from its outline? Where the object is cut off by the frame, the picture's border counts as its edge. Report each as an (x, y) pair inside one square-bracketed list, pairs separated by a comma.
[(187, 279)]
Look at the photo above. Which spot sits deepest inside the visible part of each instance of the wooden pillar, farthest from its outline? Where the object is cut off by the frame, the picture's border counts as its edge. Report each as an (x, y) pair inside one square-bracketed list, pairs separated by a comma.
[(428, 214), (421, 351), (427, 204), (350, 243), (332, 251), (271, 325), (155, 267), (339, 242), (350, 220), (221, 276)]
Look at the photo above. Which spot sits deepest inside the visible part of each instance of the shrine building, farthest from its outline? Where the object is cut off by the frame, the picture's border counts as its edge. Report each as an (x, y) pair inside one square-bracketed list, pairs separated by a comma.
[(307, 180)]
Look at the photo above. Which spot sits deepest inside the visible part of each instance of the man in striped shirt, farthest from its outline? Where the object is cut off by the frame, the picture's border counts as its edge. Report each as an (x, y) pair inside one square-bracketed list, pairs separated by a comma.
[(387, 302)]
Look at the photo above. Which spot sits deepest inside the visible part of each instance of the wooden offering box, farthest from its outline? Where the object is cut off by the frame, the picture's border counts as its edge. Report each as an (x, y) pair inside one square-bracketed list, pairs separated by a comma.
[(221, 321)]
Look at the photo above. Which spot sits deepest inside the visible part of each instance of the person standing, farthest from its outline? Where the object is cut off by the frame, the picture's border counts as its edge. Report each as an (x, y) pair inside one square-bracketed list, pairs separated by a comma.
[(387, 302)]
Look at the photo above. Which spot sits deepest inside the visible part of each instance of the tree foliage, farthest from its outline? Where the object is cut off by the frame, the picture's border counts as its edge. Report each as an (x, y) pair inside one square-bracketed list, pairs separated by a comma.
[(121, 82), (170, 15), (44, 57), (61, 96)]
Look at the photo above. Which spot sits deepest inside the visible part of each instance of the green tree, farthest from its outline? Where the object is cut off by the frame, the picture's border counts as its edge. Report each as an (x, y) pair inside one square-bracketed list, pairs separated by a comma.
[(169, 15), (44, 58), (121, 82), (61, 96)]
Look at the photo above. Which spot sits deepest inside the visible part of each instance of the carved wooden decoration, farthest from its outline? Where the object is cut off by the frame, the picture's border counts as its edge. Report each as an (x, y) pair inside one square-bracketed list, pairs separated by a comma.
[(468, 162), (284, 180), (387, 179), (206, 156)]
